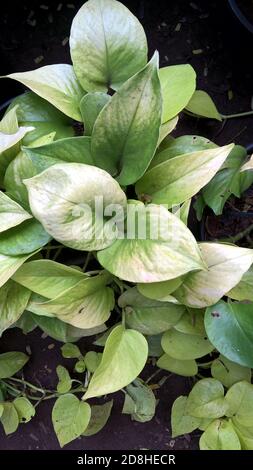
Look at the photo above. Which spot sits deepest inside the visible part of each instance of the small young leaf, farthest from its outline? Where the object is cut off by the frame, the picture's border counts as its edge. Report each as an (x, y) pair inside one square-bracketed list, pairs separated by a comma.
[(24, 408), (202, 105), (70, 418), (80, 366), (70, 351), (65, 382), (92, 360)]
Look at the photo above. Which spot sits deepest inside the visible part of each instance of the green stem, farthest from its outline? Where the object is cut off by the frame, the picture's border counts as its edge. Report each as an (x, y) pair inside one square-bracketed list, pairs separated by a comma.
[(57, 253), (237, 115), (123, 318), (153, 375), (88, 257), (238, 236), (31, 386)]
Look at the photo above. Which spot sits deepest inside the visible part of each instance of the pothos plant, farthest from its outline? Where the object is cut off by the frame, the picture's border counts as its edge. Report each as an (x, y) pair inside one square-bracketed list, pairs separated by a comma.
[(88, 146)]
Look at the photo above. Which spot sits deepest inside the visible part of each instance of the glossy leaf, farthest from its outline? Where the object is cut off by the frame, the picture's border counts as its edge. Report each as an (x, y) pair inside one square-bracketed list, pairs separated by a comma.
[(11, 213), (126, 132), (187, 368), (178, 179), (244, 289), (226, 262), (123, 359), (181, 422), (167, 238), (228, 372), (99, 417), (229, 328), (11, 363), (202, 105), (23, 239), (90, 107), (56, 84), (13, 301), (178, 83), (107, 45), (70, 418), (63, 199), (184, 346), (206, 400)]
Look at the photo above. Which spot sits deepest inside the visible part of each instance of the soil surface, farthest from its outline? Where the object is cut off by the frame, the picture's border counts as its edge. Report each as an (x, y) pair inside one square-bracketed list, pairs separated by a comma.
[(204, 34)]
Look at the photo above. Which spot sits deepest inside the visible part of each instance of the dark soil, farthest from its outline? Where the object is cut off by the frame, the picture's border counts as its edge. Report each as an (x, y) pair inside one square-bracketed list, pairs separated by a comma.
[(206, 35), (246, 7)]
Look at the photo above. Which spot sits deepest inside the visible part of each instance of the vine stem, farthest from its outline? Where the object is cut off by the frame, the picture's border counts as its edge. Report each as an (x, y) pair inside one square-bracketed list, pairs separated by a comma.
[(31, 386), (239, 235), (88, 257), (237, 115)]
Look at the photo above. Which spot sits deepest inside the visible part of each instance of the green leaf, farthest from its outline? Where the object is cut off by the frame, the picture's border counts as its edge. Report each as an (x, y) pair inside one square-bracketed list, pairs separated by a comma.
[(228, 372), (23, 239), (62, 331), (11, 363), (70, 351), (229, 328), (245, 435), (183, 211), (107, 45), (80, 366), (239, 399), (180, 367), (9, 140), (126, 132), (9, 265), (142, 400), (63, 199), (123, 359), (185, 346), (47, 278), (11, 213), (34, 111), (24, 408), (220, 435), (202, 105), (166, 128), (65, 382), (90, 107), (192, 322), (86, 305), (185, 144), (99, 417), (26, 322), (56, 84), (150, 317), (9, 418), (154, 345), (13, 302), (92, 360), (204, 288), (226, 182), (136, 259), (178, 83), (181, 422), (70, 418), (178, 179), (244, 289), (1, 404), (159, 290), (8, 125), (70, 149), (206, 400)]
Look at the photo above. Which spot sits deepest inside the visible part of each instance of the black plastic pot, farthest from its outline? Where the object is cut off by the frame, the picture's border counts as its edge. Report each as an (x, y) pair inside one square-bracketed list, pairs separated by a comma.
[(240, 15)]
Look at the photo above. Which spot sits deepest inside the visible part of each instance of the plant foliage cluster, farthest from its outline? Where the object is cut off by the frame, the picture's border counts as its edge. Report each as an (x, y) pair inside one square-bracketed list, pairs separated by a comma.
[(173, 299)]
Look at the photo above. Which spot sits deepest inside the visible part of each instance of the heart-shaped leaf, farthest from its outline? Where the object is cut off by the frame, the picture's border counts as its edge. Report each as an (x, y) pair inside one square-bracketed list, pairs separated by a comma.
[(206, 400), (137, 259), (220, 435), (182, 423), (239, 399), (107, 45), (11, 363), (178, 179), (226, 262), (178, 83), (24, 408), (56, 84), (228, 372), (70, 418), (126, 132), (229, 328), (64, 198), (13, 301), (123, 359), (9, 418), (99, 417), (202, 105)]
